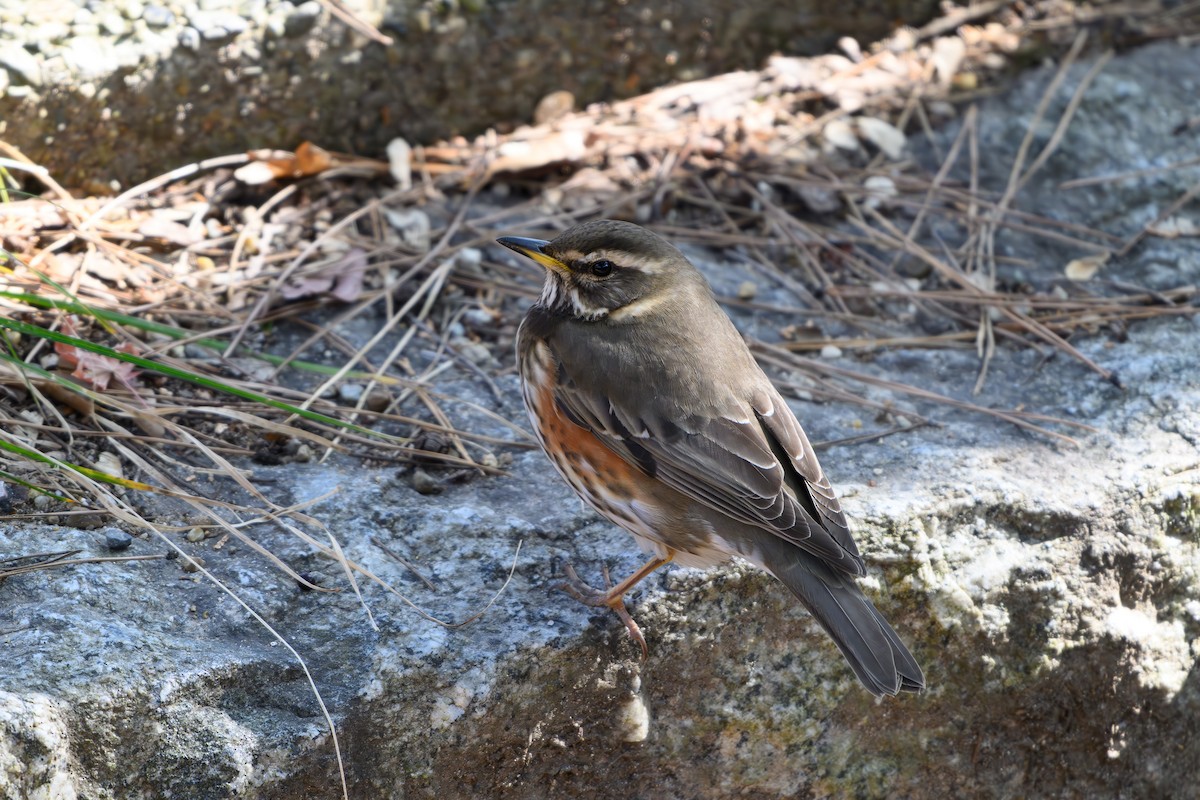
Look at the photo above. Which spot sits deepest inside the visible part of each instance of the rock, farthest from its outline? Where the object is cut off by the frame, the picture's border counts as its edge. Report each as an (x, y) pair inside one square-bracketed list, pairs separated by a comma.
[(117, 539), (475, 352), (1051, 590), (302, 18), (158, 17), (350, 392), (113, 24), (180, 51), (189, 38), (91, 57), (479, 319), (553, 106), (469, 260), (16, 59), (425, 483)]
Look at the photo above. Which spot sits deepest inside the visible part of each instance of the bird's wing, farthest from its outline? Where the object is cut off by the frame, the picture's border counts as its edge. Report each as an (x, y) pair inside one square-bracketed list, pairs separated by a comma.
[(753, 464)]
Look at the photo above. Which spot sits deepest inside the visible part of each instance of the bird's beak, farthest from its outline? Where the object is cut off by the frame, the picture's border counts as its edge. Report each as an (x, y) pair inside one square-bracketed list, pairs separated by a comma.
[(534, 248)]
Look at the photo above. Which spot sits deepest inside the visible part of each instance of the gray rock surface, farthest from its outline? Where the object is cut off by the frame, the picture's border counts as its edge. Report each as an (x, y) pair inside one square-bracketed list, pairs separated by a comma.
[(1052, 593), (126, 90)]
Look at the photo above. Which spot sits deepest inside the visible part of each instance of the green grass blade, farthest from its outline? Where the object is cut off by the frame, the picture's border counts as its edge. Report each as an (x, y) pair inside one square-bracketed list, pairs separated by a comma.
[(183, 375)]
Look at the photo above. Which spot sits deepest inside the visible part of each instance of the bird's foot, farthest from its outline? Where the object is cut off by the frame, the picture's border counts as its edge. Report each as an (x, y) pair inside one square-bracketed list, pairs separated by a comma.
[(612, 598)]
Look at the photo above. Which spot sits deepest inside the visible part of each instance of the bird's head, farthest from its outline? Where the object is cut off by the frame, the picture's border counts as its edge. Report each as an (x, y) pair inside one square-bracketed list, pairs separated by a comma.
[(608, 270)]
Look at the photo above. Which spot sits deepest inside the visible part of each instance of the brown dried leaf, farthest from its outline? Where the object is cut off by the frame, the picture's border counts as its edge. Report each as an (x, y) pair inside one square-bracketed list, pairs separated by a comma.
[(94, 369), (1082, 269), (341, 279), (269, 165)]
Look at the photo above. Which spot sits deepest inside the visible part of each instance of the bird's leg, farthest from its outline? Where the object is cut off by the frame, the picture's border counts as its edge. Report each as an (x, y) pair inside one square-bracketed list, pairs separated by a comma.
[(613, 598)]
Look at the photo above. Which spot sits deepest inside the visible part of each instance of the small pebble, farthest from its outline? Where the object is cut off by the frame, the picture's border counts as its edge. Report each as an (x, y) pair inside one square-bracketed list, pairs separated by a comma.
[(303, 18), (113, 23), (17, 59), (747, 291), (475, 352), (189, 37), (553, 106), (476, 318), (831, 351), (195, 535), (350, 392), (425, 483), (276, 25), (158, 17), (378, 400), (469, 259), (117, 539), (194, 565)]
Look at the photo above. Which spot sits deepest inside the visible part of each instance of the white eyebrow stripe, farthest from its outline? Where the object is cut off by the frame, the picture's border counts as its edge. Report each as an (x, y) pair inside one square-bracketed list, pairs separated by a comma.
[(622, 259), (638, 307)]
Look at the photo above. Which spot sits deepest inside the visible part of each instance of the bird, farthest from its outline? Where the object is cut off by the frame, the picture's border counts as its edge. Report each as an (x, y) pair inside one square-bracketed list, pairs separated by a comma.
[(651, 406)]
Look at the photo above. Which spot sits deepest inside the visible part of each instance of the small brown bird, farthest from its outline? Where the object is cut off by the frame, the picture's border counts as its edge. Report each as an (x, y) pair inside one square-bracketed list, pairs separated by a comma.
[(652, 408)]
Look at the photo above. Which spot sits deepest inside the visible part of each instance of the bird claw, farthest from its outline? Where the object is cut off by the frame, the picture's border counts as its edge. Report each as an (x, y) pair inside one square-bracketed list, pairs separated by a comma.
[(575, 586)]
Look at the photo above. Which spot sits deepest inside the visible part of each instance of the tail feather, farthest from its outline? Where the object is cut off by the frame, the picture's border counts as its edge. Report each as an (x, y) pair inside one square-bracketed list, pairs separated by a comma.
[(870, 646)]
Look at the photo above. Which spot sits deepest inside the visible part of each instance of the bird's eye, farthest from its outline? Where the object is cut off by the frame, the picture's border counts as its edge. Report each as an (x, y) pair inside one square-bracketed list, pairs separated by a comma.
[(602, 268)]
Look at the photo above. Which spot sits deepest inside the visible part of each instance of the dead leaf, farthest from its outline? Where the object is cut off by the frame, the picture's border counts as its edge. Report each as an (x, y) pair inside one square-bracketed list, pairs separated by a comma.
[(1174, 227), (399, 154), (311, 159), (884, 135), (82, 404), (413, 226), (342, 279), (879, 189), (149, 424), (98, 371), (170, 231), (94, 369), (1082, 269), (586, 188), (109, 464), (255, 173), (347, 286), (557, 148), (948, 55), (839, 134), (269, 165)]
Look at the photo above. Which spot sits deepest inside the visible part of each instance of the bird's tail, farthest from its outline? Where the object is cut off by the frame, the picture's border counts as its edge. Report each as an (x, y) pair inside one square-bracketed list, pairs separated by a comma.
[(872, 648)]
